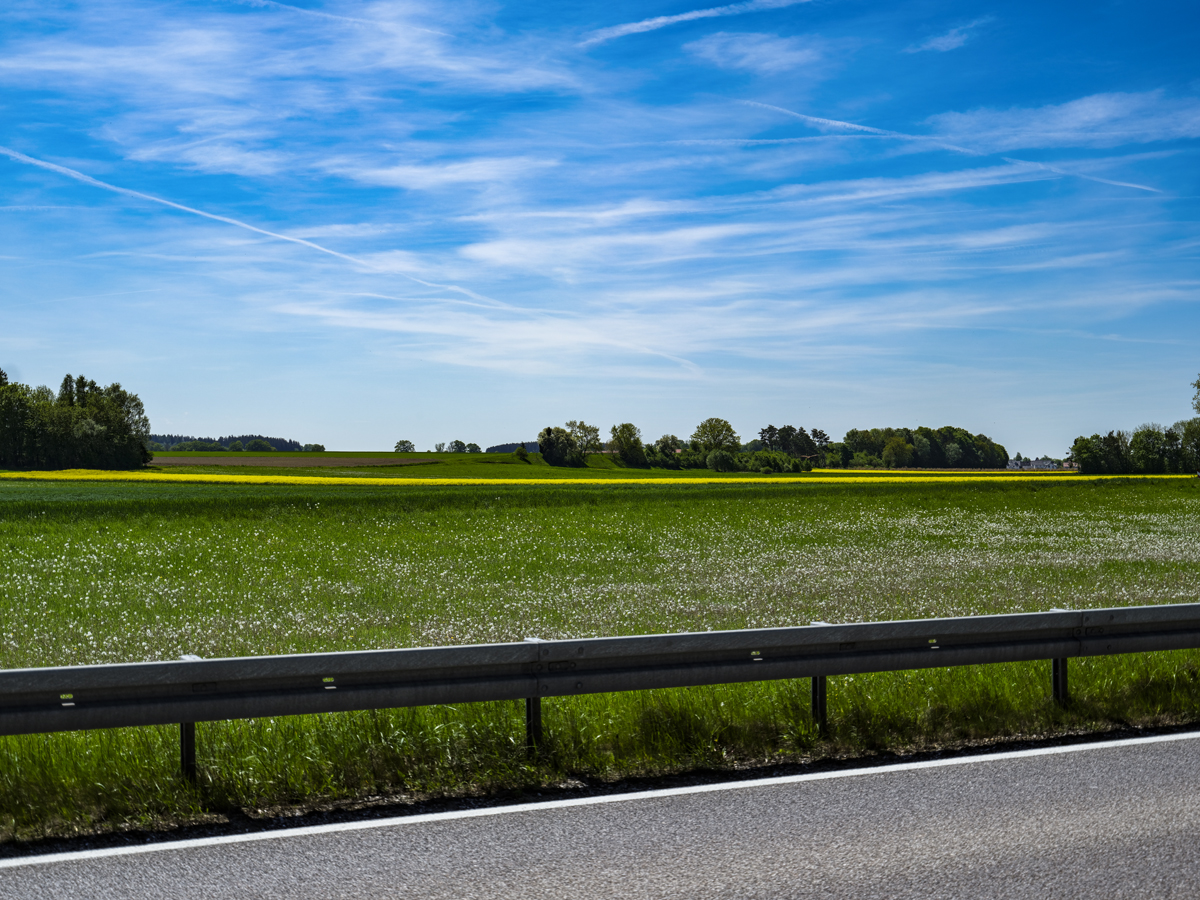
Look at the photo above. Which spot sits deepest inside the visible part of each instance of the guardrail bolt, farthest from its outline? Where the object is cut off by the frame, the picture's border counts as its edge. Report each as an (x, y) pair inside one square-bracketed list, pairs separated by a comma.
[(187, 751), (819, 710), (1058, 681), (533, 725)]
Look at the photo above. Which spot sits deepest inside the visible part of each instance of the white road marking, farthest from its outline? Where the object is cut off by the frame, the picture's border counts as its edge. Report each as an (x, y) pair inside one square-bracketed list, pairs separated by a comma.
[(305, 831)]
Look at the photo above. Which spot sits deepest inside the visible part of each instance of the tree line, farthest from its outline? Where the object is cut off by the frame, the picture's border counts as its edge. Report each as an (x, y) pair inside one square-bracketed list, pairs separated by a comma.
[(83, 426), (947, 447), (1151, 449), (251, 442), (716, 445)]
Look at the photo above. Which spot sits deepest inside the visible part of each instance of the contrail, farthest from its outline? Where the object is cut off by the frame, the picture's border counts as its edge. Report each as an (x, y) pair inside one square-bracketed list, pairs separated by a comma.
[(1057, 171), (104, 185), (835, 123), (733, 9), (274, 4)]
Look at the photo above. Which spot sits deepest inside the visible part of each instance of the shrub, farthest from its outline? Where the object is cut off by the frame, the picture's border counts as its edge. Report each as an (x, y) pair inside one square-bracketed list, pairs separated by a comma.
[(721, 461)]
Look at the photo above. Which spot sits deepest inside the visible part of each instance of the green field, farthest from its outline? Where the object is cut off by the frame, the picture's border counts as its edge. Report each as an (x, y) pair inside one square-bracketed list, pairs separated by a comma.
[(112, 571)]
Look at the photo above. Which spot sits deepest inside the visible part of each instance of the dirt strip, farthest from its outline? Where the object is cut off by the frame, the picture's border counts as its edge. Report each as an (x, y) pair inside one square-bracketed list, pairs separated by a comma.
[(285, 462)]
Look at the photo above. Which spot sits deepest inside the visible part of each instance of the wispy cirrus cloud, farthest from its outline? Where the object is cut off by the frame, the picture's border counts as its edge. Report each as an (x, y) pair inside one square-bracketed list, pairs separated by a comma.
[(952, 39), (1099, 120), (939, 143), (765, 54), (653, 24)]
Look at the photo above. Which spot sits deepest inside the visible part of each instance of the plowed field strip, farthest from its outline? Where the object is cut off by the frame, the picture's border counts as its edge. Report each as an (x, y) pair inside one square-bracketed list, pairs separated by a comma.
[(283, 462)]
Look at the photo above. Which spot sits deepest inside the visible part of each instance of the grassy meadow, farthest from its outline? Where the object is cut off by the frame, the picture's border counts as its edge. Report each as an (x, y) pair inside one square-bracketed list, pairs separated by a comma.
[(107, 571)]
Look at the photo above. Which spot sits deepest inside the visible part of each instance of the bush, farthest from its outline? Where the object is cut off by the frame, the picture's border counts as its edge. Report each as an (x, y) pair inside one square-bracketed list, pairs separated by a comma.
[(310, 448), (521, 453), (721, 461)]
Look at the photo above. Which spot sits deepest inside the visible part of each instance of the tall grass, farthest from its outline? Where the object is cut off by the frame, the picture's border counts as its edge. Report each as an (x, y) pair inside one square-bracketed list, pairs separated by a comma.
[(98, 573)]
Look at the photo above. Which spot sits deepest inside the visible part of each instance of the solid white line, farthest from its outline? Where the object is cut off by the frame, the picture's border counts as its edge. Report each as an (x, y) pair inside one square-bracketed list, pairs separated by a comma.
[(581, 801)]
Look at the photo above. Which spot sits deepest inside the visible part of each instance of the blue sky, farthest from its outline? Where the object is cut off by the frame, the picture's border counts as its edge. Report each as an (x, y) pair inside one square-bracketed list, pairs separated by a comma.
[(354, 222)]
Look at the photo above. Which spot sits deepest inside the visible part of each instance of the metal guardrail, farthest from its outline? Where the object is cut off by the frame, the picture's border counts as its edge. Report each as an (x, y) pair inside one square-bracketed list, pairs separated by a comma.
[(194, 690)]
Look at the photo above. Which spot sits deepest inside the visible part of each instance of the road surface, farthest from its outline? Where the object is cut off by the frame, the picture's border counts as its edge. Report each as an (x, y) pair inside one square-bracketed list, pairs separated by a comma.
[(1120, 819)]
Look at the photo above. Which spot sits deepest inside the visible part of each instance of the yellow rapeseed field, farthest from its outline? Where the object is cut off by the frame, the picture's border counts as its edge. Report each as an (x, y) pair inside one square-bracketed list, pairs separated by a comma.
[(820, 476)]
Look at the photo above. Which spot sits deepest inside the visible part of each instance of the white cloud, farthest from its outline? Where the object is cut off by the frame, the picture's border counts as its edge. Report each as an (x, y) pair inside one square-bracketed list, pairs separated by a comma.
[(1101, 120), (733, 9), (762, 53), (952, 39), (479, 170)]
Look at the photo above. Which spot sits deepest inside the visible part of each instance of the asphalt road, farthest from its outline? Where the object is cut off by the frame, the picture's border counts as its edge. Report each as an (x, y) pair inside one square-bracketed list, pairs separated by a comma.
[(1111, 820)]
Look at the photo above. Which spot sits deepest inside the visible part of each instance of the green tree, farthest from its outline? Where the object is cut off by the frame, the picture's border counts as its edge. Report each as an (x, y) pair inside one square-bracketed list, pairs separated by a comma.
[(558, 447), (715, 434), (458, 447), (84, 426), (627, 444), (1196, 396), (236, 447), (668, 443), (1189, 444), (474, 448), (897, 453), (258, 445), (922, 450), (405, 447), (587, 437), (1148, 450)]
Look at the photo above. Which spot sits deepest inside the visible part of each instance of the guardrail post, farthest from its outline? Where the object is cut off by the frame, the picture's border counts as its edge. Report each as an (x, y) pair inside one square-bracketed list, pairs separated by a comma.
[(533, 725), (819, 712), (1058, 681), (187, 751)]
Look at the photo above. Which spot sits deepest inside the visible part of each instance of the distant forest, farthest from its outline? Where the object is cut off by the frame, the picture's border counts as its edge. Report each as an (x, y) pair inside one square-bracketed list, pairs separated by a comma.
[(530, 447), (177, 442)]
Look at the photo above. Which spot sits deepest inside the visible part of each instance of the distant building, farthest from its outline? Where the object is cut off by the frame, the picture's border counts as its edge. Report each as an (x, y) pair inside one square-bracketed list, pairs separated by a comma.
[(1044, 463)]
